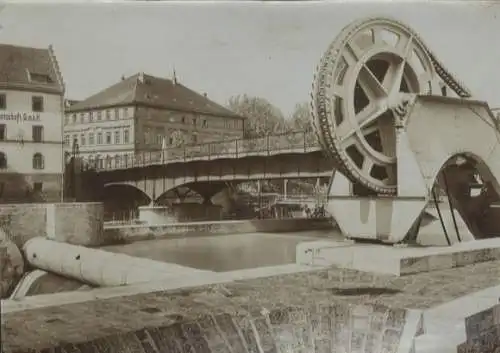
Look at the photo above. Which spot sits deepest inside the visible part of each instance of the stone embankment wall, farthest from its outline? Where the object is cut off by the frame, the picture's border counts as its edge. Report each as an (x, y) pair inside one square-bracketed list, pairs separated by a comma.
[(74, 223), (313, 328), (118, 234)]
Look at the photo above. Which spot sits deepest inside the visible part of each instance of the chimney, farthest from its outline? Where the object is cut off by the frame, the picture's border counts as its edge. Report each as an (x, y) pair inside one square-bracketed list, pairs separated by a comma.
[(141, 77), (174, 78), (205, 94), (123, 77)]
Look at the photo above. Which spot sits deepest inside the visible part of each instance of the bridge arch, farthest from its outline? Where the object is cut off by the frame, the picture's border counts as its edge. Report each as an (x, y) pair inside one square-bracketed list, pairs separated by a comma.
[(205, 189), (122, 199)]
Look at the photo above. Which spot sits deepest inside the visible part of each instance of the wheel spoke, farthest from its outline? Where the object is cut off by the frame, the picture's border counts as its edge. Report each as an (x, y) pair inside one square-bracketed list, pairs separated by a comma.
[(369, 114), (404, 46), (346, 130), (352, 137), (394, 77), (371, 85), (352, 54), (377, 35), (367, 165)]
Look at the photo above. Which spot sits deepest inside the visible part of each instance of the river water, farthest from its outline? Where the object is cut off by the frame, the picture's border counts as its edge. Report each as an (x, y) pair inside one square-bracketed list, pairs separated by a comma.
[(222, 253)]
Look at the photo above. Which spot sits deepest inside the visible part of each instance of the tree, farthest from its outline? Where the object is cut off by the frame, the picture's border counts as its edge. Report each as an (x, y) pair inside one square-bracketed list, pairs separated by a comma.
[(300, 120), (263, 117)]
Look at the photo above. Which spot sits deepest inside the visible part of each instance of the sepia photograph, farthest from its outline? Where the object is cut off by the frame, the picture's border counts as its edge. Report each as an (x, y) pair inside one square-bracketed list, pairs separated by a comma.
[(249, 176)]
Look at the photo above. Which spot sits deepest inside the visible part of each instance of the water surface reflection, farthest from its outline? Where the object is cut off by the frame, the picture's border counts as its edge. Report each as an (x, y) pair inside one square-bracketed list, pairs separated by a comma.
[(224, 252)]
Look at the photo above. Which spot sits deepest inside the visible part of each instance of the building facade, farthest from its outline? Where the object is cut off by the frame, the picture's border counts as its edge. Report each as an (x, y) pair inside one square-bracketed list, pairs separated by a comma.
[(31, 125), (142, 113)]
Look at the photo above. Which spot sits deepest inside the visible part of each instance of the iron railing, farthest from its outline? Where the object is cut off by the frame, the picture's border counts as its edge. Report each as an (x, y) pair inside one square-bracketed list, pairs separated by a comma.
[(268, 145)]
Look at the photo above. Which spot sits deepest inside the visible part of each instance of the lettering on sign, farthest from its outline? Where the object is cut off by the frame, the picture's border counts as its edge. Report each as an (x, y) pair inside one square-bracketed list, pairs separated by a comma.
[(20, 117)]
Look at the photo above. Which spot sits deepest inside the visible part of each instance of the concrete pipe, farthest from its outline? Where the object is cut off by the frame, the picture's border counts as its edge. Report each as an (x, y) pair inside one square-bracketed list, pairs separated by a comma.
[(98, 267), (11, 265)]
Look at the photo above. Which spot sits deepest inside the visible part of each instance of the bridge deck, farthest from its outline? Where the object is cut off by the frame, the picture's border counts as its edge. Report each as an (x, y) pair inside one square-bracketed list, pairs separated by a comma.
[(196, 309)]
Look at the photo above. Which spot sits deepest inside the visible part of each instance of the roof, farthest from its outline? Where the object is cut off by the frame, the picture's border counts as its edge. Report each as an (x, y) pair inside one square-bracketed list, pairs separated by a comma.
[(30, 68), (69, 102), (141, 89)]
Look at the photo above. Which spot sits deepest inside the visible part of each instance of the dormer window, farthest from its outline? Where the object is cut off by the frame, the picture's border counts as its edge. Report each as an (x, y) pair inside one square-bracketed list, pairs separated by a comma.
[(39, 78)]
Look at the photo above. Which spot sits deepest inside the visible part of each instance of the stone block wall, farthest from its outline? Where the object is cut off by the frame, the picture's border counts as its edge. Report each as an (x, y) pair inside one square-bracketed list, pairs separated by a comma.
[(119, 234), (23, 221), (483, 332), (78, 223), (314, 328)]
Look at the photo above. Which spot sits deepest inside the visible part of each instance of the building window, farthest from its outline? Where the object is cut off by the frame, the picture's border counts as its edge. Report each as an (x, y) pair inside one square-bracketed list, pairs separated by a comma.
[(91, 138), (91, 116), (117, 113), (82, 118), (82, 139), (37, 131), (3, 101), (99, 138), (194, 138), (126, 136), (38, 162), (117, 137), (99, 116), (183, 120), (117, 160), (3, 160), (37, 186), (108, 114), (74, 118), (3, 132), (108, 138), (66, 140), (194, 121), (37, 103), (204, 123), (74, 139), (125, 113)]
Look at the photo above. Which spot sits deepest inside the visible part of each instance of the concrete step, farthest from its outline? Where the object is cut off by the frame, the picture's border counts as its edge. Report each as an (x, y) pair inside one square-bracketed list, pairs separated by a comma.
[(441, 336), (436, 343), (445, 326)]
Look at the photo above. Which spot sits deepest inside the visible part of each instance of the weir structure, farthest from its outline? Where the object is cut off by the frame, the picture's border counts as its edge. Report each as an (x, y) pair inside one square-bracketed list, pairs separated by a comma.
[(400, 144), (383, 109)]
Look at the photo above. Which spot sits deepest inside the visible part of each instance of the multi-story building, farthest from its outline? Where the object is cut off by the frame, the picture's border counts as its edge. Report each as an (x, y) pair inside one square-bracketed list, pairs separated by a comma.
[(31, 125), (143, 113)]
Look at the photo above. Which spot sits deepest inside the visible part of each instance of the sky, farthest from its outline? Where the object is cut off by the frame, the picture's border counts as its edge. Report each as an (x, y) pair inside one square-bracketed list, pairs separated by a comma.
[(262, 49)]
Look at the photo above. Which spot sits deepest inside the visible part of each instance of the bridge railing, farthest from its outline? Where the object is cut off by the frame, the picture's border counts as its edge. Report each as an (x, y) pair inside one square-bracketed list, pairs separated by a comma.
[(299, 141)]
